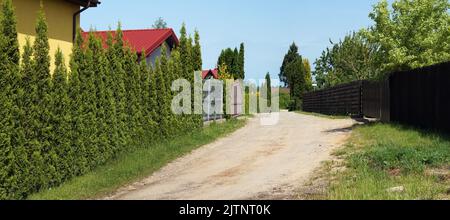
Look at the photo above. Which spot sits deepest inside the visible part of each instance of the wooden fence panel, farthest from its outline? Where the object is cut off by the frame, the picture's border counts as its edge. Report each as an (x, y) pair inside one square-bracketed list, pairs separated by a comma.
[(340, 100), (371, 99), (421, 97)]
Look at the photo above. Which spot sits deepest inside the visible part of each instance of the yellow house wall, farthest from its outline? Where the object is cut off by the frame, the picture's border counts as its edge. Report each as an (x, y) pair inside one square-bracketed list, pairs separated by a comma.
[(66, 48), (58, 13)]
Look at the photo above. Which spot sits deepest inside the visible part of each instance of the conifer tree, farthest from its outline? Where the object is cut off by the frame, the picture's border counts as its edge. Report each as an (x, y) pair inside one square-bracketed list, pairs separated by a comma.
[(161, 94), (180, 120), (133, 91), (234, 60), (118, 134), (197, 66), (241, 61), (308, 75), (235, 68), (13, 89), (152, 101), (6, 126), (89, 129), (289, 58), (12, 150), (8, 30), (77, 63), (60, 107), (197, 52), (268, 87), (24, 104), (191, 78), (144, 102), (44, 155), (117, 63), (111, 108), (185, 54), (99, 93), (187, 66), (165, 93)]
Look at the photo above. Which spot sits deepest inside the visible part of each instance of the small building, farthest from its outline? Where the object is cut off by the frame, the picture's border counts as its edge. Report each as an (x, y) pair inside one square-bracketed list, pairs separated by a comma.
[(62, 17), (148, 40), (237, 96), (210, 74)]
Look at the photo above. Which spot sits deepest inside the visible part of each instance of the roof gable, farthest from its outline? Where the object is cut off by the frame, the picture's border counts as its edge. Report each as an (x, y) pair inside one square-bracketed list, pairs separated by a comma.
[(213, 72), (147, 40)]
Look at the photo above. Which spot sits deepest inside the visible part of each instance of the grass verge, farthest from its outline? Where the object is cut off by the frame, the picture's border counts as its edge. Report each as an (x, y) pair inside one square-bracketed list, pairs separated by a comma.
[(323, 116), (392, 162), (131, 167)]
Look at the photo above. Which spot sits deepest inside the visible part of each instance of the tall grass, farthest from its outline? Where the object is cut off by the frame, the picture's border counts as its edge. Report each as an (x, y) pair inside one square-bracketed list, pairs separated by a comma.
[(382, 156)]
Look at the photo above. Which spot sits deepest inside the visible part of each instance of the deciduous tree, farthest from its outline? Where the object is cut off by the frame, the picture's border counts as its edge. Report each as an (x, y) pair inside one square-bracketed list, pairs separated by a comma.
[(414, 33)]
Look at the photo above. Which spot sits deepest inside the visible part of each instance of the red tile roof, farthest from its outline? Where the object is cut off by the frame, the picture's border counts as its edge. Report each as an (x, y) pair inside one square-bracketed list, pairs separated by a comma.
[(214, 72), (145, 39)]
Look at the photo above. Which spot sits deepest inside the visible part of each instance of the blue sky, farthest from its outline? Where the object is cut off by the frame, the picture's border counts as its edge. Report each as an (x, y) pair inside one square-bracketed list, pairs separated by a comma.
[(267, 27)]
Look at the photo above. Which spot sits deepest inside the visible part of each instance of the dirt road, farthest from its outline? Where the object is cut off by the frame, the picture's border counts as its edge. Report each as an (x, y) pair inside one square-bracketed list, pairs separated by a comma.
[(256, 162)]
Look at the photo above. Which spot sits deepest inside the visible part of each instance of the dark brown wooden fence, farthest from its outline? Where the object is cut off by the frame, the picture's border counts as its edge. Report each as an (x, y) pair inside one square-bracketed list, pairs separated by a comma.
[(371, 99), (419, 97), (344, 99)]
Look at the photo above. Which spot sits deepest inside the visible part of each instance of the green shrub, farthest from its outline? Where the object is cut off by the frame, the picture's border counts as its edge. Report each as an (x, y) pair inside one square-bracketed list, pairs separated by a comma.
[(285, 100)]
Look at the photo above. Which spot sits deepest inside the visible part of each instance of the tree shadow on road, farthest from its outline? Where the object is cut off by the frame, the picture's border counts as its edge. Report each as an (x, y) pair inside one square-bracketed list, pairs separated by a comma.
[(359, 122)]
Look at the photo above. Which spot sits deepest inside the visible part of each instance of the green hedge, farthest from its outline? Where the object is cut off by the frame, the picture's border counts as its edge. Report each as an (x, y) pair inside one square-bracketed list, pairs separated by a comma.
[(57, 126)]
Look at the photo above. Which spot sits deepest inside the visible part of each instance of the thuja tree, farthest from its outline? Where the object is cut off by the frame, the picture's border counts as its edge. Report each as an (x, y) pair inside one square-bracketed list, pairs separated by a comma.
[(116, 56), (185, 54), (77, 64), (8, 30), (44, 157), (116, 88), (167, 67), (102, 99), (133, 90), (109, 103), (6, 126), (12, 137), (153, 100), (60, 107), (185, 49), (162, 99), (190, 61), (197, 52), (88, 125), (197, 63), (181, 122), (23, 102), (146, 101)]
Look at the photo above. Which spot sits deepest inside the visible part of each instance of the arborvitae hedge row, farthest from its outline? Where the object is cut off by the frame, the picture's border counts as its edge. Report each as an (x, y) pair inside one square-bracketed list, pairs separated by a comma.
[(55, 126)]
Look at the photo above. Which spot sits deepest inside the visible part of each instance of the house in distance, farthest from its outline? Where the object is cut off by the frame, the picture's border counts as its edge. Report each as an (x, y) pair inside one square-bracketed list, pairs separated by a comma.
[(149, 41)]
